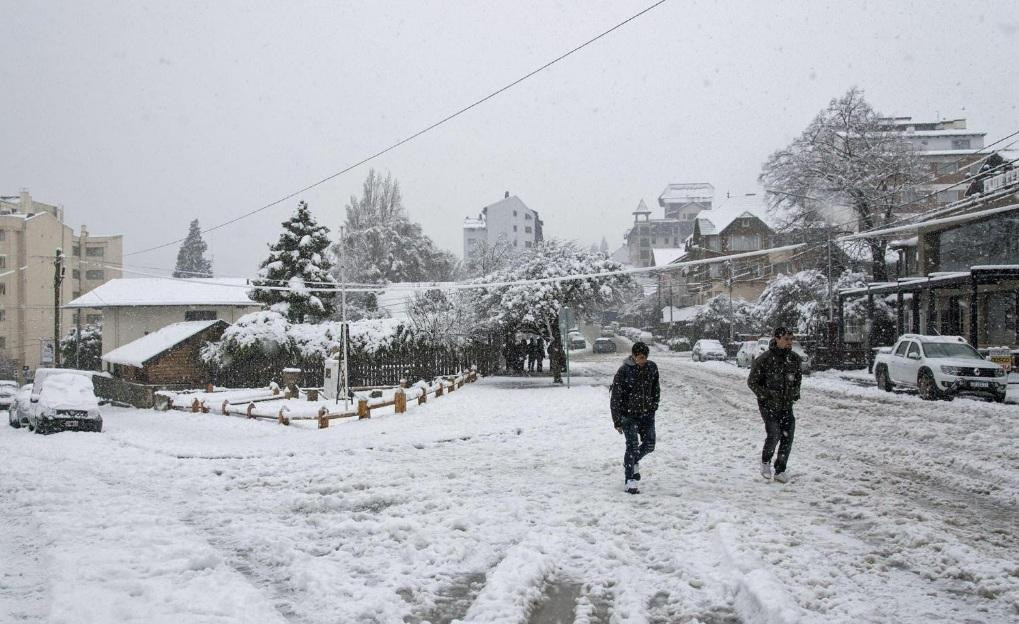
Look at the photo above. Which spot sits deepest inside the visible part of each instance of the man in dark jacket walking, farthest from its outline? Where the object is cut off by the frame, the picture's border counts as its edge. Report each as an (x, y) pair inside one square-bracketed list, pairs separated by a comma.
[(775, 378), (635, 396)]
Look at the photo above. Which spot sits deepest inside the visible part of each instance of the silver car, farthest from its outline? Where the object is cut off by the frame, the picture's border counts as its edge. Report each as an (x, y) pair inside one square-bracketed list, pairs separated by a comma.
[(18, 414)]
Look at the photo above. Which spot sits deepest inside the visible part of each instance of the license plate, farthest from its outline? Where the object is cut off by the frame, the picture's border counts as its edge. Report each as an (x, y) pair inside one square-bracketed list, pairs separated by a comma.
[(978, 384), (70, 423)]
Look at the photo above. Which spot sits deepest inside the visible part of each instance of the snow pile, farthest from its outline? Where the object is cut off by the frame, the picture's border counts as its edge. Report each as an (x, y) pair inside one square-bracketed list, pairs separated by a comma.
[(68, 391)]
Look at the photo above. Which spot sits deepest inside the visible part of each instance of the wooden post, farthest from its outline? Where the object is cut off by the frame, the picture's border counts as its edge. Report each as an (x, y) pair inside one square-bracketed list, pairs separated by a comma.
[(196, 406), (323, 418), (251, 408), (440, 389), (400, 401), (362, 409), (209, 387), (423, 397), (283, 420), (312, 394), (226, 407)]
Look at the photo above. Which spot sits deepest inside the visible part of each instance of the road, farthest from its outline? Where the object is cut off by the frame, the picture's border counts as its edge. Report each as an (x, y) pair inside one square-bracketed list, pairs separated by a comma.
[(503, 502)]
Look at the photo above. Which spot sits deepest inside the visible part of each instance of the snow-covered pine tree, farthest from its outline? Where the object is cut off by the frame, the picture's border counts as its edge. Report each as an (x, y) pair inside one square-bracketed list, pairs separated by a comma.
[(191, 260), (89, 355), (298, 262)]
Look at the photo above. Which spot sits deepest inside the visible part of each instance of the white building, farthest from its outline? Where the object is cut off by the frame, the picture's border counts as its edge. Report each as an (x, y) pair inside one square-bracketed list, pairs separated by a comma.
[(133, 308), (508, 220)]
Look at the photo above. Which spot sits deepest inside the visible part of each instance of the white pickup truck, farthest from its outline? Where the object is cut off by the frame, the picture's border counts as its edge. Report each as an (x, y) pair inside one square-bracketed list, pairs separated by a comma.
[(940, 367)]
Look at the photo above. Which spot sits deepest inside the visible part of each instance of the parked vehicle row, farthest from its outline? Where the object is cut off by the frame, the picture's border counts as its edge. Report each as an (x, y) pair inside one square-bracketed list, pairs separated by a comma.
[(57, 400), (750, 349), (940, 367)]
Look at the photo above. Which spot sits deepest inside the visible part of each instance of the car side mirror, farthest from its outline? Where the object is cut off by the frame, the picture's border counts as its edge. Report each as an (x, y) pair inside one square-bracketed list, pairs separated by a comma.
[(914, 356)]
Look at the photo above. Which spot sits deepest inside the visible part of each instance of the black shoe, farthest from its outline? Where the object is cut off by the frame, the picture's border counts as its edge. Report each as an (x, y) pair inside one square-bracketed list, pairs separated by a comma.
[(636, 476)]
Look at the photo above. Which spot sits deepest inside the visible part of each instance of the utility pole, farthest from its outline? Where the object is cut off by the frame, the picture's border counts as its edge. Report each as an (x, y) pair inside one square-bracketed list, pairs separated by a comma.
[(343, 313), (58, 279), (831, 299), (732, 317), (82, 241), (671, 307)]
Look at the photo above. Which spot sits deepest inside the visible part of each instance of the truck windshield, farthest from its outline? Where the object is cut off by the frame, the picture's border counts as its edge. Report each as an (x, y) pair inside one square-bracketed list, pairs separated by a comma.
[(950, 350)]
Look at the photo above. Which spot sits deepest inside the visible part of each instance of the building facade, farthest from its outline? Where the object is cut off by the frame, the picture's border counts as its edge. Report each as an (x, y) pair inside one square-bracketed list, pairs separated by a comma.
[(31, 232), (507, 222)]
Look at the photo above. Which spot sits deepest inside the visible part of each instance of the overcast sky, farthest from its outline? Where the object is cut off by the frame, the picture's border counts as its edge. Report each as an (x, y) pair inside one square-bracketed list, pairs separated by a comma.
[(138, 117)]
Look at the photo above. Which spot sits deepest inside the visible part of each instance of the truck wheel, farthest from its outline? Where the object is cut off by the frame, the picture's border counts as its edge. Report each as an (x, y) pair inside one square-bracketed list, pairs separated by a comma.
[(928, 387), (1000, 398), (883, 380)]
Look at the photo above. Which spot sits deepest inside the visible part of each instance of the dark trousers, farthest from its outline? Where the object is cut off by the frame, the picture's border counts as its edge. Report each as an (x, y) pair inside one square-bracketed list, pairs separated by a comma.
[(640, 440), (779, 425), (530, 363)]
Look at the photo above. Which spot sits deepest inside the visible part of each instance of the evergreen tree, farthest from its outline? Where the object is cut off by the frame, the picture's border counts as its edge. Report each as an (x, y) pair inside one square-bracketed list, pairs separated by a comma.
[(88, 355), (298, 262), (191, 260)]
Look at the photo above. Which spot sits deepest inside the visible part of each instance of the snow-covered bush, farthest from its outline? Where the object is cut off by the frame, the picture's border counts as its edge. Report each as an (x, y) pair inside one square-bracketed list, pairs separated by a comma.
[(679, 343), (89, 357), (714, 318)]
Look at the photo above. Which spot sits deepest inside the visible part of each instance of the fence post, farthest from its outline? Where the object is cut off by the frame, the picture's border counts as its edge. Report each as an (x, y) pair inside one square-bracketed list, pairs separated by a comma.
[(283, 420), (196, 406), (440, 389), (226, 407), (323, 418), (423, 397), (251, 408), (362, 409), (400, 401)]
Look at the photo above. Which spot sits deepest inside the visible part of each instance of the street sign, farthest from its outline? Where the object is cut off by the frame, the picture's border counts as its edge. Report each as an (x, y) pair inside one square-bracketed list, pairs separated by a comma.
[(1002, 356), (565, 320)]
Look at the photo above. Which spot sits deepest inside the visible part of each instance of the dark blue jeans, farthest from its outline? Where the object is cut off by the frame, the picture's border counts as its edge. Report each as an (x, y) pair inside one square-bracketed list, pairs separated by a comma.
[(640, 440), (779, 426)]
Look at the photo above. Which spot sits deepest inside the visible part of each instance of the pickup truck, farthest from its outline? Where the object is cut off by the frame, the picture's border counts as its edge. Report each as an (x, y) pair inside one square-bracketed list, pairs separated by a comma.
[(940, 367)]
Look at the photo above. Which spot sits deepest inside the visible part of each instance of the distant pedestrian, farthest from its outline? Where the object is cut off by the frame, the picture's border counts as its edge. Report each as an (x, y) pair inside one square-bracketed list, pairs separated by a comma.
[(532, 354), (635, 396), (539, 349), (521, 355), (775, 378), (508, 353)]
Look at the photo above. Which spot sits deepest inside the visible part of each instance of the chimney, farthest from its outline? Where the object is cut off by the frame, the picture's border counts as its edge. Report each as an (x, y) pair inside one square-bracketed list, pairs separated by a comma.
[(25, 201), (507, 195)]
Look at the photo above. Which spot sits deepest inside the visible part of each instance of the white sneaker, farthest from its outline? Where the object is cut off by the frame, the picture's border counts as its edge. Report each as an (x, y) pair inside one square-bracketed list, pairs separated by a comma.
[(631, 487), (782, 477), (766, 470)]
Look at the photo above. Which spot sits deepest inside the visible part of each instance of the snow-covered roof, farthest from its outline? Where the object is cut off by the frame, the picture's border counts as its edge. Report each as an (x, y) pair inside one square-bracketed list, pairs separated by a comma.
[(642, 208), (680, 315), (161, 291), (716, 219), (470, 223), (686, 192), (663, 256), (137, 352), (508, 203), (621, 255), (906, 242)]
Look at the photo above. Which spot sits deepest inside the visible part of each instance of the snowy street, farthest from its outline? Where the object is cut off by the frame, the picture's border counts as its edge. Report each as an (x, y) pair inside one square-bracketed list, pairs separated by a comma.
[(503, 503)]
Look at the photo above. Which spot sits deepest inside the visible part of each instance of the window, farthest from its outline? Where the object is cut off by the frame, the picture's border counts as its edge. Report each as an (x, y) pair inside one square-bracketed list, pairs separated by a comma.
[(3, 235), (914, 349), (75, 274), (3, 262), (514, 213), (200, 315), (3, 342), (528, 243), (645, 254), (901, 351), (3, 315), (527, 230), (95, 251), (527, 216), (960, 143), (644, 242), (744, 242), (76, 294), (948, 167), (76, 251), (94, 274), (3, 288), (514, 228), (94, 319)]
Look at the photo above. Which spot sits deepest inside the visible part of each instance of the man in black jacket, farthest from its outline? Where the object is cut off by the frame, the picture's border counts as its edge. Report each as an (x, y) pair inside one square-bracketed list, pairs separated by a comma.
[(775, 378), (635, 395)]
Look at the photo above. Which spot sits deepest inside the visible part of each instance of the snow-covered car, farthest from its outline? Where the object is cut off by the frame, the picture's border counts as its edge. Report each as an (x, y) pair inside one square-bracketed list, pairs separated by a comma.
[(940, 367), (706, 349), (66, 402), (604, 345), (17, 416), (607, 332), (577, 342), (763, 344), (7, 395), (746, 354)]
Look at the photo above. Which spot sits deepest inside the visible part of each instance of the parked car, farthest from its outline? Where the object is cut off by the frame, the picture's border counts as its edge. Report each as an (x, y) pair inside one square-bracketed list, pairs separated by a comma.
[(67, 401), (706, 349), (762, 345), (604, 345), (746, 354), (607, 332), (7, 394), (18, 414), (940, 367)]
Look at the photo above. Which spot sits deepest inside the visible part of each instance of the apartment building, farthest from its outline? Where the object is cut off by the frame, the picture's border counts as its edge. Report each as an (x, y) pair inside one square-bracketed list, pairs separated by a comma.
[(31, 232), (508, 220)]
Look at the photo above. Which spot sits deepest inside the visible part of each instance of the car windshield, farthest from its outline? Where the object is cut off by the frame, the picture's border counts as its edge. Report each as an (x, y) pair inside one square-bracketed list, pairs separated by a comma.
[(711, 344), (950, 350)]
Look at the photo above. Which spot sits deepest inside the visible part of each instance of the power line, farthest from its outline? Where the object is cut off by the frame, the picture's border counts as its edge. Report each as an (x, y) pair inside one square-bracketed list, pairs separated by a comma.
[(442, 121)]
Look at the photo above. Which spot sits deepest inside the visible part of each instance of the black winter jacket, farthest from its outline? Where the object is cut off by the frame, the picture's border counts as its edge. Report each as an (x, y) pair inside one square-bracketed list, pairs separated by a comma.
[(775, 377), (635, 391)]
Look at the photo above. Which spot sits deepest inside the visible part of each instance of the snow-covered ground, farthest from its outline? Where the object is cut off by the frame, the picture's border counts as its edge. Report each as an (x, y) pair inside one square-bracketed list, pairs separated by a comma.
[(503, 503)]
